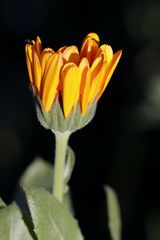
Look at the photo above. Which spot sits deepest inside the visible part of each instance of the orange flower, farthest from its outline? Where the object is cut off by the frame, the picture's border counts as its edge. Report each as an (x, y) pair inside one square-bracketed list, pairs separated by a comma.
[(71, 76)]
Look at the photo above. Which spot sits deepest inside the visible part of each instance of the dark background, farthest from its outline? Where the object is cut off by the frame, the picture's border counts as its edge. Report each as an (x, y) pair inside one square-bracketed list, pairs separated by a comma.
[(120, 147)]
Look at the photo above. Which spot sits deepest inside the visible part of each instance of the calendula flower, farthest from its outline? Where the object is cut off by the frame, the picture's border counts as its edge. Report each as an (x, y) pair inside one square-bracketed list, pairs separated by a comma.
[(68, 83)]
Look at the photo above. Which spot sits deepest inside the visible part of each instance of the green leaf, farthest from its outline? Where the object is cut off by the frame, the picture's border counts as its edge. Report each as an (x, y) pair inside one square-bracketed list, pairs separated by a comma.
[(114, 218), (2, 203), (153, 224), (38, 174), (12, 226), (67, 201), (51, 219)]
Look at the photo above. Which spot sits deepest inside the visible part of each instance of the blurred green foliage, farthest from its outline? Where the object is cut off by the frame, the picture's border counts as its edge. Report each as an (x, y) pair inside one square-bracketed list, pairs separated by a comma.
[(121, 145)]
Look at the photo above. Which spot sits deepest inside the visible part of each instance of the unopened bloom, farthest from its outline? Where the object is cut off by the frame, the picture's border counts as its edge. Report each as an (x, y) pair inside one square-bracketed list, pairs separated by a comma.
[(69, 80)]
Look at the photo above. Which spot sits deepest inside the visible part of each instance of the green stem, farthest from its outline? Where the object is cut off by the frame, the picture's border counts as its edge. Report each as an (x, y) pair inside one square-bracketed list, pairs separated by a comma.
[(61, 141)]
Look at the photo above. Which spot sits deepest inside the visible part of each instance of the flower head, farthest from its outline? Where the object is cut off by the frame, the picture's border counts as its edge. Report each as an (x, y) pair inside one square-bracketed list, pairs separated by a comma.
[(69, 76)]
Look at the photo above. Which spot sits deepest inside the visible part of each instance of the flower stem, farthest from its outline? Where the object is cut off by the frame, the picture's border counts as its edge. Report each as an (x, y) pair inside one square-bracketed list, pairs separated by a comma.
[(61, 140)]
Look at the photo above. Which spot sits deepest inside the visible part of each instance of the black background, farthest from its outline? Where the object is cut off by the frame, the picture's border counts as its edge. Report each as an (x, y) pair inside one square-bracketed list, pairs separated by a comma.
[(120, 147)]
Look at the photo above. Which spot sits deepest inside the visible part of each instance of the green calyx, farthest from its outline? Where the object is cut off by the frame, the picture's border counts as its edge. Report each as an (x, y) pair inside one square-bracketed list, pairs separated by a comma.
[(56, 121)]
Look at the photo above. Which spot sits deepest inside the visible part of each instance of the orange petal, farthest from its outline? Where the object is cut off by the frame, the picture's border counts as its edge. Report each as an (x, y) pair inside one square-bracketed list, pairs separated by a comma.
[(47, 64), (38, 46), (62, 49), (90, 76), (108, 52), (83, 66), (71, 54), (109, 71), (51, 80), (96, 67), (97, 83), (46, 53), (90, 47), (85, 93), (29, 59), (93, 36), (70, 77), (37, 71)]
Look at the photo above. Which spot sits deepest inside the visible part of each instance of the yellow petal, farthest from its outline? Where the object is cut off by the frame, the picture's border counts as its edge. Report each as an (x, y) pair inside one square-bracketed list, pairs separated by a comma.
[(108, 52), (88, 80), (47, 65), (85, 93), (71, 54), (96, 67), (62, 49), (97, 83), (70, 77), (109, 71), (83, 66), (90, 47), (37, 71), (46, 53), (29, 60), (93, 36), (38, 46), (51, 79)]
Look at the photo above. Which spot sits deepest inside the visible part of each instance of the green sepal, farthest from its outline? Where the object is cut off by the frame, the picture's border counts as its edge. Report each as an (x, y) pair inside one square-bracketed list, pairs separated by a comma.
[(2, 203), (56, 121)]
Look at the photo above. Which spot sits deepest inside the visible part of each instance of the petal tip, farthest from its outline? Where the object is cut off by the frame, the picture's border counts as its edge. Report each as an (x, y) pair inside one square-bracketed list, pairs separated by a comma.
[(94, 36)]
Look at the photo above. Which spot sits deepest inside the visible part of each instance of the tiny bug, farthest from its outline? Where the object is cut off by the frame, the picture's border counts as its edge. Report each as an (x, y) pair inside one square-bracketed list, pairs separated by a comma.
[(28, 41)]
